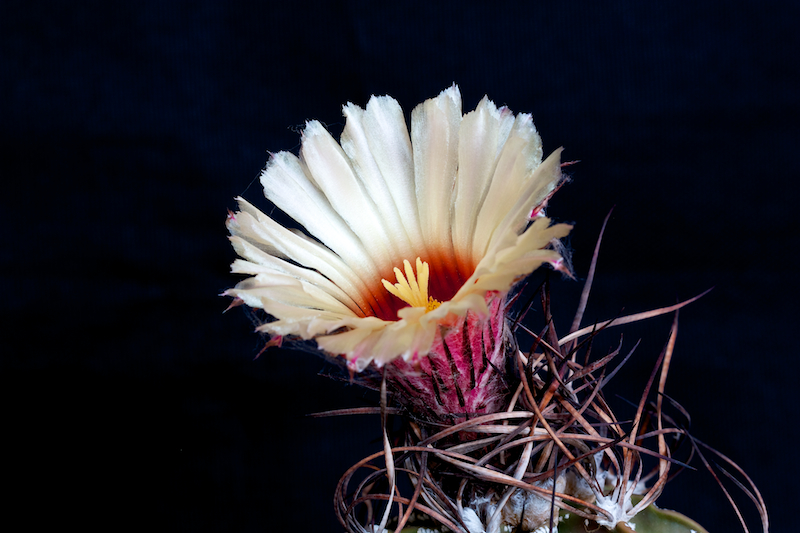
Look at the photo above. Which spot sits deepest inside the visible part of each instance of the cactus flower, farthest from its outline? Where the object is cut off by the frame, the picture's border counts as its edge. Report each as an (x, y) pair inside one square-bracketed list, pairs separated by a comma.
[(409, 237)]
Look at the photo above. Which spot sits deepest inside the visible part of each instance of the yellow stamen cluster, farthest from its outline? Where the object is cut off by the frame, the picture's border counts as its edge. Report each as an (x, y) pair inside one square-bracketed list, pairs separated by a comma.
[(413, 289)]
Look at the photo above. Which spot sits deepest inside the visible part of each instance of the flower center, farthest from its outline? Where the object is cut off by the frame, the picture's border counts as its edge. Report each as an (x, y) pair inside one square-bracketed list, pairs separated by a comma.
[(411, 288)]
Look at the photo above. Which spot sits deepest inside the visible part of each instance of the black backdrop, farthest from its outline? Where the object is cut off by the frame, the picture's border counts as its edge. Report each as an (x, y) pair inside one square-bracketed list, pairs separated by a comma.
[(128, 129)]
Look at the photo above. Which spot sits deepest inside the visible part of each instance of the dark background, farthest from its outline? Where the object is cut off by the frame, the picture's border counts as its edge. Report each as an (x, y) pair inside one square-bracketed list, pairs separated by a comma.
[(126, 130)]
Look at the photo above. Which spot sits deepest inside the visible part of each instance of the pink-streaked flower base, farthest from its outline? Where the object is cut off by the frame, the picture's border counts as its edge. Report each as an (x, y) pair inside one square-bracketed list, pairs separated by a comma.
[(463, 375)]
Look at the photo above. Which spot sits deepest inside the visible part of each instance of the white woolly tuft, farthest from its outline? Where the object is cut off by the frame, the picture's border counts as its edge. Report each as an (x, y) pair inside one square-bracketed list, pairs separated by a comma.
[(471, 520)]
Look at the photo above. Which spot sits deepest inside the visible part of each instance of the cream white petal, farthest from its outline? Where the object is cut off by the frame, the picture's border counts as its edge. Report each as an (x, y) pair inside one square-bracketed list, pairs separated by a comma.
[(480, 140), (298, 321), (287, 183), (254, 226), (269, 287), (521, 155), (474, 301), (412, 335), (434, 139), (260, 261), (405, 337), (346, 341), (382, 341), (332, 172), (390, 144), (542, 182), (357, 343), (515, 256), (380, 153)]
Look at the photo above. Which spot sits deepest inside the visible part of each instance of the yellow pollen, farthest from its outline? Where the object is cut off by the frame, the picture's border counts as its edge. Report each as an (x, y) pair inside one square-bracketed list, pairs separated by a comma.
[(413, 289)]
